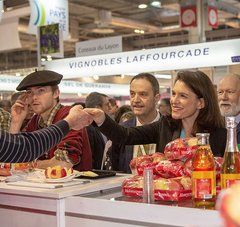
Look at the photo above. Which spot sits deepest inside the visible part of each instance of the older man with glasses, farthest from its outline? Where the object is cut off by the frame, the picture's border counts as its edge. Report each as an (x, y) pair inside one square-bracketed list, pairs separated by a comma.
[(229, 98)]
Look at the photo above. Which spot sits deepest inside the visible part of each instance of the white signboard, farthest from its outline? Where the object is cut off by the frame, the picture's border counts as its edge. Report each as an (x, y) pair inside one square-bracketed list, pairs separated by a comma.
[(67, 86), (169, 58), (1, 9), (99, 46), (44, 12), (9, 83), (9, 38)]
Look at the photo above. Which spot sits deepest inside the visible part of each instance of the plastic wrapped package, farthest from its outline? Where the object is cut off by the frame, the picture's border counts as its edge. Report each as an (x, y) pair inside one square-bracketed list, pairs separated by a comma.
[(138, 164), (181, 149), (173, 189), (142, 160), (169, 169)]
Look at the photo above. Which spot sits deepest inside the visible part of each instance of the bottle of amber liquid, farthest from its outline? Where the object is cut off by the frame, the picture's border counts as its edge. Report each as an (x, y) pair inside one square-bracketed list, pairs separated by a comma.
[(231, 164), (203, 174)]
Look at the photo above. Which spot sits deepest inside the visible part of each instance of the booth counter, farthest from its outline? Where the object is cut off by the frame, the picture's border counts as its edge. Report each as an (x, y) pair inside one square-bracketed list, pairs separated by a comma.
[(98, 203)]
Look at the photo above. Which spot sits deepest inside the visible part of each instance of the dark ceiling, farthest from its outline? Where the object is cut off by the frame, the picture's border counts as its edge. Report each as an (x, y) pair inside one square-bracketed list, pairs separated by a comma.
[(90, 19)]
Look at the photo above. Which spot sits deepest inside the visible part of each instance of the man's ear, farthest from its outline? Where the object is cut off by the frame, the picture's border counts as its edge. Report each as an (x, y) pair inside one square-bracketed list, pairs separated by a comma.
[(201, 103), (157, 98), (56, 93)]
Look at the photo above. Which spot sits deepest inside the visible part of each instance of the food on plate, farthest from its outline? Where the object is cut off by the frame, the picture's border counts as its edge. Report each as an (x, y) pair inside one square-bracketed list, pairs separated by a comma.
[(88, 174), (229, 206), (56, 172), (6, 168)]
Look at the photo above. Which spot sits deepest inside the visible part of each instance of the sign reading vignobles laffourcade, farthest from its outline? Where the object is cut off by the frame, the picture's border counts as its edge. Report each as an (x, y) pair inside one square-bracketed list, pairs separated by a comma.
[(169, 58), (44, 12)]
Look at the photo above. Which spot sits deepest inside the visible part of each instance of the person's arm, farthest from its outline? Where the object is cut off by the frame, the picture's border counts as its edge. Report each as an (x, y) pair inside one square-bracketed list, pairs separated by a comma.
[(24, 147), (121, 135)]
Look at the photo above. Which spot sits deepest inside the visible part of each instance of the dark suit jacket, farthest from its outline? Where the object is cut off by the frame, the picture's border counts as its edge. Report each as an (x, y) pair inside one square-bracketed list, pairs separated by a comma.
[(160, 132), (122, 155), (97, 146)]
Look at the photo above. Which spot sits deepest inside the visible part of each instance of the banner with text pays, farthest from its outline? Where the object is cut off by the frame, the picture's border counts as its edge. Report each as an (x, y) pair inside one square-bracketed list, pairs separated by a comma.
[(44, 12), (188, 16), (212, 13)]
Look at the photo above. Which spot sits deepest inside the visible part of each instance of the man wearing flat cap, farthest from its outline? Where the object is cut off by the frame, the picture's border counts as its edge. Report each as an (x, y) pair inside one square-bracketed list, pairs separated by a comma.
[(42, 95)]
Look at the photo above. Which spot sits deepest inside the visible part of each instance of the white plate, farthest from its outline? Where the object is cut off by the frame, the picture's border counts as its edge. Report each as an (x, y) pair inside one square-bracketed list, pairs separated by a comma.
[(38, 176)]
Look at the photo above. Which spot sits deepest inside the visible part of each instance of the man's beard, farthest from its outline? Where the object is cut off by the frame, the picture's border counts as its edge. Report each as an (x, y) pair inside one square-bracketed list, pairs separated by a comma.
[(232, 111)]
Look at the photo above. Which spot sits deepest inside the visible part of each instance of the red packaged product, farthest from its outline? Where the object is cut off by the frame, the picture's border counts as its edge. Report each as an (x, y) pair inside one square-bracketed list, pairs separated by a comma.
[(169, 169), (141, 160), (187, 168), (181, 149), (138, 164), (174, 189)]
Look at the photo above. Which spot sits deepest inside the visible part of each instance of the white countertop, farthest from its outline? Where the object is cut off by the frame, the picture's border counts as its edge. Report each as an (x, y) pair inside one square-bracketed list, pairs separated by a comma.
[(58, 193)]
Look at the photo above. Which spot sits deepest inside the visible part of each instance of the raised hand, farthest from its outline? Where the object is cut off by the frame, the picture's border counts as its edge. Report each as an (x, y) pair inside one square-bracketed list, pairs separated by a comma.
[(97, 115), (78, 118), (19, 112)]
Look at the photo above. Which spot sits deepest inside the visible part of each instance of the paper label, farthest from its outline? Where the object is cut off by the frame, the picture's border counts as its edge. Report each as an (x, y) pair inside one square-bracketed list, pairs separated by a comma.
[(228, 179), (204, 186)]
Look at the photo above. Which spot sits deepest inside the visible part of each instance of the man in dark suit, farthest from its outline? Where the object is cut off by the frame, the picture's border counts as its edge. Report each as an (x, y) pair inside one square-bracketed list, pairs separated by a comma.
[(96, 138), (229, 98), (144, 96)]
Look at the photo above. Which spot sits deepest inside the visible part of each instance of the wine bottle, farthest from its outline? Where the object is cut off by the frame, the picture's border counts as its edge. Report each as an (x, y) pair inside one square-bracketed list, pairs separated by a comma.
[(203, 175), (231, 165)]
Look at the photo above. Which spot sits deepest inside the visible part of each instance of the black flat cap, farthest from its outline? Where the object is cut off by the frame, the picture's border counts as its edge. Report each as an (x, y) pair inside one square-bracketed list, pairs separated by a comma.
[(40, 78)]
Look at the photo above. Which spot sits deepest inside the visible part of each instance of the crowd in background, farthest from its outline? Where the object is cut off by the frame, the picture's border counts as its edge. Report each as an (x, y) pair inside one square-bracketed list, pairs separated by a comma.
[(194, 106)]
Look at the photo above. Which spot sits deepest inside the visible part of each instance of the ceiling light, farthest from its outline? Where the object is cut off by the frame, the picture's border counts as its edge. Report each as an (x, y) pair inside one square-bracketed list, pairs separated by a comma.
[(139, 31), (18, 74), (156, 4), (142, 6), (102, 30), (163, 76), (95, 77)]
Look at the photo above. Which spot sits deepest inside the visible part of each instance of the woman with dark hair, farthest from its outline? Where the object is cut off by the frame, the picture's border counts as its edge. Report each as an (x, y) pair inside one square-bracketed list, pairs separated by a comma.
[(194, 109)]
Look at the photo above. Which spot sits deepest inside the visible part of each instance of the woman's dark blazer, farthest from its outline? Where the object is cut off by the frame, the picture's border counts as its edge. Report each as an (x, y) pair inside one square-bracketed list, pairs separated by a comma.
[(160, 132)]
